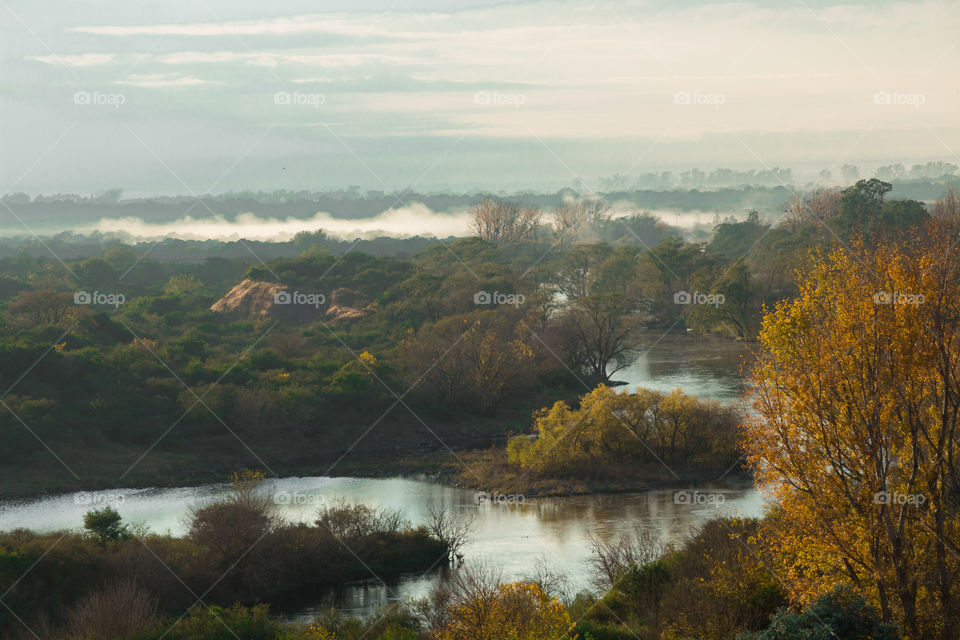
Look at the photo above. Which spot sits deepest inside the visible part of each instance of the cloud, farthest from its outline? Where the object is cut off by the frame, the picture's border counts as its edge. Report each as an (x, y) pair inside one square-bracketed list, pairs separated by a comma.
[(80, 60), (308, 24), (276, 58), (396, 83), (163, 80)]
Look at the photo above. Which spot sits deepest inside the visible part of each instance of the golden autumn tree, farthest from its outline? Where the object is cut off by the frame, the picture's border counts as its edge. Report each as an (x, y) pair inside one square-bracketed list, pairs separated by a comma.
[(506, 611), (857, 428)]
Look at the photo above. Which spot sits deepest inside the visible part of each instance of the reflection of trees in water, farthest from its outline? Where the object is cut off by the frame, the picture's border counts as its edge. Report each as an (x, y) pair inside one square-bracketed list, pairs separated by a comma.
[(678, 357), (573, 520)]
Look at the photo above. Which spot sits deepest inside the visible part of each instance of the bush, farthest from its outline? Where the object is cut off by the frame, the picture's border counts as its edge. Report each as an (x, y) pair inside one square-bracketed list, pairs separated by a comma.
[(121, 610), (841, 614), (349, 522), (105, 524), (231, 623)]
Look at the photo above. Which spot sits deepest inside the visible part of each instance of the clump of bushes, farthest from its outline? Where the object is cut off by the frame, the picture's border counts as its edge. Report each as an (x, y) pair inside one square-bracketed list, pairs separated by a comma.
[(611, 435)]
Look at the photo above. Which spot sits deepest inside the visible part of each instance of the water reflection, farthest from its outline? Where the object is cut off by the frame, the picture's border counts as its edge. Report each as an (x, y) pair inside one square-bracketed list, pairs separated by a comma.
[(699, 365), (513, 538)]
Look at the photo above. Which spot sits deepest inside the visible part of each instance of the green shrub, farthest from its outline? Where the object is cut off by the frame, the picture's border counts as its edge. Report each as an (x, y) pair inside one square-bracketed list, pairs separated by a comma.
[(105, 524)]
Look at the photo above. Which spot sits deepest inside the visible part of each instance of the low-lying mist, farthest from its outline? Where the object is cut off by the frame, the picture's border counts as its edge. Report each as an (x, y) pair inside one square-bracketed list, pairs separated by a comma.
[(414, 219)]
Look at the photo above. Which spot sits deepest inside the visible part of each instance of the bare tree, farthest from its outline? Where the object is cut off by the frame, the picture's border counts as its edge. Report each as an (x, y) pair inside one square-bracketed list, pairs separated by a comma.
[(453, 530), (947, 207), (597, 334), (572, 219), (470, 591), (550, 581), (504, 223), (815, 207), (610, 558)]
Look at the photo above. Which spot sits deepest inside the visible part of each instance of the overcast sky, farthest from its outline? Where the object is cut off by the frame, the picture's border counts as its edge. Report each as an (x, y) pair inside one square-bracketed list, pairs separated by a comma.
[(189, 96)]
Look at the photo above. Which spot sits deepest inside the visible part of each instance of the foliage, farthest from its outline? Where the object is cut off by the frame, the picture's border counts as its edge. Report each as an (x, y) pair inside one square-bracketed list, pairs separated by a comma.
[(715, 585), (105, 524), (612, 432), (857, 428), (838, 615), (122, 376), (482, 609)]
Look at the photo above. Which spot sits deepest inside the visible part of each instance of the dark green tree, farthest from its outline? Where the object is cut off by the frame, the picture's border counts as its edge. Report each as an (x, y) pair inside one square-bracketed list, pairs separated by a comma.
[(105, 524)]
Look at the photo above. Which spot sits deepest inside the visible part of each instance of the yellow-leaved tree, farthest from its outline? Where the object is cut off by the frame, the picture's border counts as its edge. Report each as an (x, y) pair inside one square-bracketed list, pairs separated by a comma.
[(505, 611), (612, 432), (857, 427)]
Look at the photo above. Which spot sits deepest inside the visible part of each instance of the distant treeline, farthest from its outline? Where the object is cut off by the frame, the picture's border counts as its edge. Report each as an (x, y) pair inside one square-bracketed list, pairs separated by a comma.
[(693, 194)]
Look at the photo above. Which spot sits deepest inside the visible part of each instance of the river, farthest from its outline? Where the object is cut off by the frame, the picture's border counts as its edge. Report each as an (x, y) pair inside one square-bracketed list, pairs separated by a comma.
[(513, 538)]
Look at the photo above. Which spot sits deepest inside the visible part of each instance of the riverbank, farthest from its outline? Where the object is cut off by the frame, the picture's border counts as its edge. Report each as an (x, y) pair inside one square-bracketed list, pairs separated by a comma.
[(517, 537), (489, 471), (483, 470)]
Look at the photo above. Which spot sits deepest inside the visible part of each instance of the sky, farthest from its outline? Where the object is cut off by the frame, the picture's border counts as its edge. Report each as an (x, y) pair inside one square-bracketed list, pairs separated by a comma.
[(205, 96)]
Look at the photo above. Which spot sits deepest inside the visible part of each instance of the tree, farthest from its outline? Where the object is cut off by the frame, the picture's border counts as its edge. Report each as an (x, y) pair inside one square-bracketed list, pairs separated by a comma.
[(471, 360), (480, 608), (595, 334), (738, 312), (572, 219), (735, 239), (105, 524), (948, 206), (857, 428), (819, 206), (453, 530), (504, 223), (860, 204), (595, 325), (850, 173), (183, 284), (890, 172), (232, 526), (899, 215), (44, 306)]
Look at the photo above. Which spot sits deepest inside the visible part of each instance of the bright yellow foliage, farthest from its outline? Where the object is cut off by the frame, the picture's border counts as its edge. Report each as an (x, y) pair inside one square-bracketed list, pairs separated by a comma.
[(856, 434), (512, 611), (317, 632), (611, 428)]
